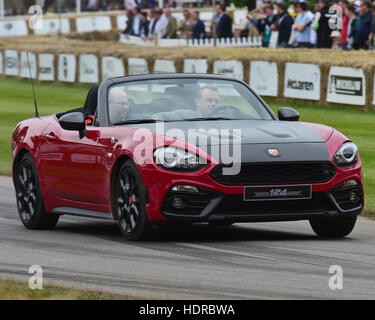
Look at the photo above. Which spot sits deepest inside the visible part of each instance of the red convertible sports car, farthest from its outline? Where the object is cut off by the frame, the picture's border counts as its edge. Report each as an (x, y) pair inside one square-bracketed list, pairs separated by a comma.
[(184, 148)]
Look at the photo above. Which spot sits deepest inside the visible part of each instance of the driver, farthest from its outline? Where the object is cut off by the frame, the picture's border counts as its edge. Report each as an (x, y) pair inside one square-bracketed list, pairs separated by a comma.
[(207, 99), (118, 105)]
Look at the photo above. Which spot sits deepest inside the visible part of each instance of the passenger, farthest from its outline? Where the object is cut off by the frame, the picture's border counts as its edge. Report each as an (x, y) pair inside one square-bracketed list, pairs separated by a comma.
[(118, 105)]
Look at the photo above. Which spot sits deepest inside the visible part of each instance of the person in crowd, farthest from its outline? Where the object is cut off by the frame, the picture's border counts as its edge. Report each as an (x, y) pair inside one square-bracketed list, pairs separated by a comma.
[(129, 23), (144, 25), (344, 24), (92, 5), (151, 4), (250, 29), (363, 26), (350, 12), (171, 28), (137, 21), (302, 25), (322, 27), (129, 4), (372, 33), (283, 24), (199, 31), (186, 26), (161, 23), (9, 12), (268, 20), (335, 39), (223, 23), (152, 23)]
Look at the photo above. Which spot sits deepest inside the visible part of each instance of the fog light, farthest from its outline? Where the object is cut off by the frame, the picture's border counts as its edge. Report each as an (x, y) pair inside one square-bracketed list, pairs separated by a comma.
[(350, 183), (353, 197), (185, 188), (178, 202)]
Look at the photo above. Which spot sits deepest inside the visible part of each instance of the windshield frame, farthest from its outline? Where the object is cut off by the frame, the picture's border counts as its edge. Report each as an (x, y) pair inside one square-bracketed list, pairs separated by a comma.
[(105, 86)]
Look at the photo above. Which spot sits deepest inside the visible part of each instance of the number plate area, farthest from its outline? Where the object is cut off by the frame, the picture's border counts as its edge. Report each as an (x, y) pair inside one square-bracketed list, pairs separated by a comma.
[(262, 193)]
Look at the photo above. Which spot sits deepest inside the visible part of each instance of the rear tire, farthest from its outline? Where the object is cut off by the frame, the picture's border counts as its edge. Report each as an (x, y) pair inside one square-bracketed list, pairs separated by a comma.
[(129, 203), (30, 202), (333, 228)]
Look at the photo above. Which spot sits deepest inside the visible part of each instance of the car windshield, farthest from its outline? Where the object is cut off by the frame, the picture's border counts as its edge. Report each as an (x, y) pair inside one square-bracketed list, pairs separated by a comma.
[(183, 99)]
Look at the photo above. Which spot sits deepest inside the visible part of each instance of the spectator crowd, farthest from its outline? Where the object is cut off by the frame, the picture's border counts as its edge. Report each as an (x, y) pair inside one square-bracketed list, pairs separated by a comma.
[(340, 24), (337, 24), (19, 7), (164, 25)]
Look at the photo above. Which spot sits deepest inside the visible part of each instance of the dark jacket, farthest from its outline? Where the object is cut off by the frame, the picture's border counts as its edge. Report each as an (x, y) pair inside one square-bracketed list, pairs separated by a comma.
[(284, 24), (144, 28), (323, 33), (363, 29), (129, 27), (224, 27), (198, 31)]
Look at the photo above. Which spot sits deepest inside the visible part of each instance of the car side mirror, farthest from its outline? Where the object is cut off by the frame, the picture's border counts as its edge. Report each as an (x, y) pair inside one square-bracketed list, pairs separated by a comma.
[(74, 121), (288, 114)]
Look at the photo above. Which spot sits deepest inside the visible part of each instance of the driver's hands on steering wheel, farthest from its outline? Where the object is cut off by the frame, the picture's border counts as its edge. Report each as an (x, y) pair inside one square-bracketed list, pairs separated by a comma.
[(226, 111)]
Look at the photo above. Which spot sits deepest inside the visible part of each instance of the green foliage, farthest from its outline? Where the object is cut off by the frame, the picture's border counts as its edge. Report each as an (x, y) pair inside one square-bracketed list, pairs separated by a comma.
[(250, 4)]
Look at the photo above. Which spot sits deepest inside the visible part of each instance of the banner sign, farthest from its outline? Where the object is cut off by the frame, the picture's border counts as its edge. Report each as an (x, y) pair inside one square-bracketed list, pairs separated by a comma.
[(164, 66), (25, 72), (11, 63), (302, 81), (52, 26), (97, 23), (112, 67), (67, 67), (195, 66), (229, 68), (264, 78), (46, 64), (121, 22), (346, 85), (13, 28), (88, 68), (137, 66)]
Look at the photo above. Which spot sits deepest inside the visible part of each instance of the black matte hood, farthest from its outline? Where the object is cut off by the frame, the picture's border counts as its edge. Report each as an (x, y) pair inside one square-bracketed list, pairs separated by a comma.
[(295, 141)]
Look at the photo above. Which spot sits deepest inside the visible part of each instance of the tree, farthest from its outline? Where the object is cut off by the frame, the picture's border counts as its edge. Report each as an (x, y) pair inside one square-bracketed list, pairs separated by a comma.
[(250, 4)]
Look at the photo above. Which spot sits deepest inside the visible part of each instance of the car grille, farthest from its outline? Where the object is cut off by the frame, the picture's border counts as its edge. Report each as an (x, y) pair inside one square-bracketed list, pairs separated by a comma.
[(276, 173)]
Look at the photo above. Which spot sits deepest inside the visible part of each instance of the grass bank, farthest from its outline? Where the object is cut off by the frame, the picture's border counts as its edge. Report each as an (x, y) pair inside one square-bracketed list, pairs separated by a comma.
[(16, 104), (16, 290)]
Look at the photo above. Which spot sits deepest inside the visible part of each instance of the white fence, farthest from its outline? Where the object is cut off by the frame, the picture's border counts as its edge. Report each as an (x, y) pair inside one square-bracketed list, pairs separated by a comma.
[(222, 42)]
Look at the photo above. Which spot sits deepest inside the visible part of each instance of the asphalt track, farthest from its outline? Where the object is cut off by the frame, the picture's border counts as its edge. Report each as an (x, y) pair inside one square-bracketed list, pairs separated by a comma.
[(283, 260)]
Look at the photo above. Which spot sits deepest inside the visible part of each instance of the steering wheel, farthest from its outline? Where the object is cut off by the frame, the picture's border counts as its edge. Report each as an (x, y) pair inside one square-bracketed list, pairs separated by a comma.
[(226, 111)]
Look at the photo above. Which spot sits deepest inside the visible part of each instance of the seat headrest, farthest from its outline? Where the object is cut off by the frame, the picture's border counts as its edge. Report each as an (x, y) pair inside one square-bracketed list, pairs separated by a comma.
[(91, 102)]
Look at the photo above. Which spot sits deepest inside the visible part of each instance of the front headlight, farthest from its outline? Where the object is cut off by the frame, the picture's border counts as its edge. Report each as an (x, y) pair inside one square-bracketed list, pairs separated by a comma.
[(173, 158), (346, 155)]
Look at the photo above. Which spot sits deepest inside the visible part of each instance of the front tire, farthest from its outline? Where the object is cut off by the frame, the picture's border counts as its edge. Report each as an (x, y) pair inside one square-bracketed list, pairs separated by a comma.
[(130, 203), (29, 197), (333, 228)]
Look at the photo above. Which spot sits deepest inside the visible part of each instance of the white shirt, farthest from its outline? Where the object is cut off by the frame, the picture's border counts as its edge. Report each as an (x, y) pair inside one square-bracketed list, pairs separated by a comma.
[(129, 4), (136, 25)]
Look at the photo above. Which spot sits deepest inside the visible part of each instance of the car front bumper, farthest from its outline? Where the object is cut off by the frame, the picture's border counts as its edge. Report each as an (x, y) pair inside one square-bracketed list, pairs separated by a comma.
[(217, 202)]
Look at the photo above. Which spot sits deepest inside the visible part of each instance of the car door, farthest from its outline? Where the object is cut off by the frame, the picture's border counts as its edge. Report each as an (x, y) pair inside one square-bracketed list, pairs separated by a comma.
[(68, 166)]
